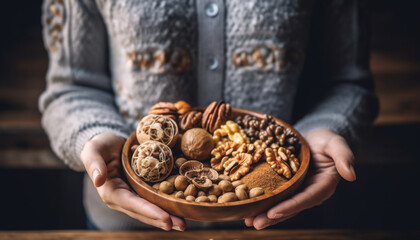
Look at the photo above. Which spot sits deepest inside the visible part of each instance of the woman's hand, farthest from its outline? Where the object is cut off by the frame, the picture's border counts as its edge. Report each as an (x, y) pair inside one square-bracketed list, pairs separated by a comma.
[(101, 157), (331, 158)]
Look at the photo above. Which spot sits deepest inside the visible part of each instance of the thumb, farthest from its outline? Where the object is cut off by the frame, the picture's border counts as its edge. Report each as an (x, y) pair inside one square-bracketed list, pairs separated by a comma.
[(343, 157), (94, 163)]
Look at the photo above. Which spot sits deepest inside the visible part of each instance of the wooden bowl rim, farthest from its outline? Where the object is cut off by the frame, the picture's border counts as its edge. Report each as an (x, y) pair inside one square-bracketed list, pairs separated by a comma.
[(304, 158)]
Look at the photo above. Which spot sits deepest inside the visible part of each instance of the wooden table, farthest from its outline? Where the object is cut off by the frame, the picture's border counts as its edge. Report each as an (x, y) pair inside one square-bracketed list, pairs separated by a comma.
[(213, 235)]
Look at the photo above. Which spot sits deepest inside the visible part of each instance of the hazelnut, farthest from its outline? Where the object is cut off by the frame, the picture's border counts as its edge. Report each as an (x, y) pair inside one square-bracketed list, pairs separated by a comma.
[(191, 190), (190, 198), (227, 197), (179, 194), (212, 198), (179, 162), (201, 193), (181, 182), (237, 183), (223, 177), (215, 190), (171, 179), (242, 186), (255, 192), (226, 185), (202, 199), (197, 143), (156, 186), (241, 194), (166, 187)]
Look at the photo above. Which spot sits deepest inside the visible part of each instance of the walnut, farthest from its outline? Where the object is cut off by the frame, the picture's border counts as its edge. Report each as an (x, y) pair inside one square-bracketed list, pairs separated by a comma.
[(230, 131), (182, 107), (286, 155), (215, 115), (238, 166), (221, 154), (190, 119), (152, 161), (277, 164), (165, 108)]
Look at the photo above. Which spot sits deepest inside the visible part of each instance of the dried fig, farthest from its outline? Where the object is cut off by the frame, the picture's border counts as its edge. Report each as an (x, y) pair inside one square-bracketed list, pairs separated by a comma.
[(197, 143)]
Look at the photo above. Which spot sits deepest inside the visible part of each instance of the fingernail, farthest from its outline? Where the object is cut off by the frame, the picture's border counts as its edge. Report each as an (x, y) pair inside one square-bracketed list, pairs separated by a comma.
[(95, 174), (177, 228), (277, 216), (354, 172)]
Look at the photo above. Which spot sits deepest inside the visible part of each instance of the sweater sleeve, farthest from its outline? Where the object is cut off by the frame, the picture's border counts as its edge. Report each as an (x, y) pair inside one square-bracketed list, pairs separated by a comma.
[(78, 102), (348, 104)]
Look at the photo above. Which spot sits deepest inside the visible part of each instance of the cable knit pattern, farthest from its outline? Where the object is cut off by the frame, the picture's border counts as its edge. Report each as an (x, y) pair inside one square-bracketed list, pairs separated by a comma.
[(111, 60)]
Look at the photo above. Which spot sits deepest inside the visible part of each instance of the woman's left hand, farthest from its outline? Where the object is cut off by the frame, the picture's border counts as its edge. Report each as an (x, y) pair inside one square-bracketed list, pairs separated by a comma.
[(331, 157)]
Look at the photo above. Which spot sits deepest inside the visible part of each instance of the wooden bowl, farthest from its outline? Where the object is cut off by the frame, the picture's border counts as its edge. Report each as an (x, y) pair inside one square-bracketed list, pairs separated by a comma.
[(217, 212)]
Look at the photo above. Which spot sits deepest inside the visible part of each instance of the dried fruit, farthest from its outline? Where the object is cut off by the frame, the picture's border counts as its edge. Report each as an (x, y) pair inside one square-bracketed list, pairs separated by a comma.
[(157, 128), (182, 107), (197, 144), (152, 161)]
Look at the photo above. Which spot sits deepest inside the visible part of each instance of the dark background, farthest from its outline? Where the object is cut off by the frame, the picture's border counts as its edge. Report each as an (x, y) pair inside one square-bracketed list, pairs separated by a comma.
[(38, 192)]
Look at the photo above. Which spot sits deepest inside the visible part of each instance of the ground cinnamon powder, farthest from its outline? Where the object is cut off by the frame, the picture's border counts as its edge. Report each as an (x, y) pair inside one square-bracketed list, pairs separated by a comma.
[(263, 176)]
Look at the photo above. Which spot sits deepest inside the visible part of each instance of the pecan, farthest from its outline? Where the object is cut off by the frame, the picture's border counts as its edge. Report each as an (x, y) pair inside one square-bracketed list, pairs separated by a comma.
[(190, 120), (165, 108), (215, 115), (277, 163)]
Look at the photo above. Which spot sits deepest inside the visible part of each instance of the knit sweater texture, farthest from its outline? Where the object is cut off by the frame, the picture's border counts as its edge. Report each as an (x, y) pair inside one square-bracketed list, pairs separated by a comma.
[(110, 61)]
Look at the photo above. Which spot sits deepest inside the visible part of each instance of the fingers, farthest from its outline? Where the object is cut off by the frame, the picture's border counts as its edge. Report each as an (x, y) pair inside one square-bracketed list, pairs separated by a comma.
[(262, 221), (338, 149), (320, 187), (116, 194), (94, 164), (249, 221)]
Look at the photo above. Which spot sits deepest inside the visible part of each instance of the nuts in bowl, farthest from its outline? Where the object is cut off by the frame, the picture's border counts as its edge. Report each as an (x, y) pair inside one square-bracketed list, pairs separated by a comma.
[(227, 163)]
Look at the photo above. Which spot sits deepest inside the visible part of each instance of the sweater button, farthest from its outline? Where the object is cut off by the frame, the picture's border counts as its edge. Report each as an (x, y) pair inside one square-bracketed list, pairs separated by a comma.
[(212, 63), (212, 10)]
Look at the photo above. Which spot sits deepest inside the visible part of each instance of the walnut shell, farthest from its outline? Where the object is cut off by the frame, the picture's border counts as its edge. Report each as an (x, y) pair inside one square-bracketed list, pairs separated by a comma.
[(197, 143)]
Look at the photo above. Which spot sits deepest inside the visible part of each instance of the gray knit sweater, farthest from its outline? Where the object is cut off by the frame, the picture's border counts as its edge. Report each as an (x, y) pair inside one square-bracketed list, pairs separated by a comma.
[(110, 61)]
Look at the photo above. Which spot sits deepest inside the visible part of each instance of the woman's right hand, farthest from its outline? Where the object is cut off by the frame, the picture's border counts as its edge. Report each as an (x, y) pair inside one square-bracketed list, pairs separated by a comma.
[(101, 157)]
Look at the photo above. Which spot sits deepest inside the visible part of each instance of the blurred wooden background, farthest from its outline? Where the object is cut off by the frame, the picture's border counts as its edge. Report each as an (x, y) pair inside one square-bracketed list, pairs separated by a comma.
[(39, 192)]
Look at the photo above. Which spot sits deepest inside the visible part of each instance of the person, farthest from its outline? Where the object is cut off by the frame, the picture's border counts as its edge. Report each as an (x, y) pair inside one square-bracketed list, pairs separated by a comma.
[(110, 61)]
